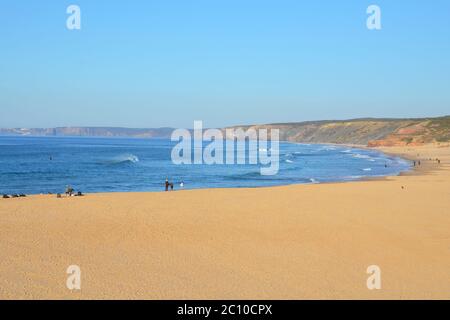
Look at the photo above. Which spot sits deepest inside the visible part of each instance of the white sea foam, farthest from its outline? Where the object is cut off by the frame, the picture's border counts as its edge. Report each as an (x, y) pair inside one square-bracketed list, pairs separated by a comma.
[(125, 158), (361, 156), (328, 148)]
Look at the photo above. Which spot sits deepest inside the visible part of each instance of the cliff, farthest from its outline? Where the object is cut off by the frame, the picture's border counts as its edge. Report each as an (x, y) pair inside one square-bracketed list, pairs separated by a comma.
[(91, 132), (371, 132)]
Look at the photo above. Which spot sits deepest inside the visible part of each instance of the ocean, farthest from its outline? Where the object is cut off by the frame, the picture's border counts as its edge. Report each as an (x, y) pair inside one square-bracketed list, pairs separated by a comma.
[(35, 165)]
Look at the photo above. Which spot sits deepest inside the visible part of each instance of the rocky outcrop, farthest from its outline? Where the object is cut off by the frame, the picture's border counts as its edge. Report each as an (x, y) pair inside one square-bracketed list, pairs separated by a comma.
[(428, 131)]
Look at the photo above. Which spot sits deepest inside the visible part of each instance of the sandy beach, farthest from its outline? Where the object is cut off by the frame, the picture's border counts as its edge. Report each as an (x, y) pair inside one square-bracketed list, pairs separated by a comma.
[(291, 242)]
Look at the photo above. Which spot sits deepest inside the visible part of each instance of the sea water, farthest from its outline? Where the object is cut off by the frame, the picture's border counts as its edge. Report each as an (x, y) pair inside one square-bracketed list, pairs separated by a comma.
[(34, 165)]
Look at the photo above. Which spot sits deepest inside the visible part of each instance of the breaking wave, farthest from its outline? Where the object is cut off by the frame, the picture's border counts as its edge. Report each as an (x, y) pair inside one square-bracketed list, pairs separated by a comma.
[(122, 159)]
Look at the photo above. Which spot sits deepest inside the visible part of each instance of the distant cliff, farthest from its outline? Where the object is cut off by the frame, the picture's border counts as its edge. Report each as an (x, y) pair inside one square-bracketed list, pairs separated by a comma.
[(91, 132), (371, 132)]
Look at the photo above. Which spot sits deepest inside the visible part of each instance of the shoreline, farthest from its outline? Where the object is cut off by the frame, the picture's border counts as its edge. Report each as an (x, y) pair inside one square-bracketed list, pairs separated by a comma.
[(353, 146)]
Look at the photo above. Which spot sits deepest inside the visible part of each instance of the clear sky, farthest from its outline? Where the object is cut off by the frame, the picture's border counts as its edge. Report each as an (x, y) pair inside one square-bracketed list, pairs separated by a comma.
[(167, 63)]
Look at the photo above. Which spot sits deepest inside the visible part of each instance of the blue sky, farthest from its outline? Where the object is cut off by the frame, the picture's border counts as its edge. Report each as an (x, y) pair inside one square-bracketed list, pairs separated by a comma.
[(168, 63)]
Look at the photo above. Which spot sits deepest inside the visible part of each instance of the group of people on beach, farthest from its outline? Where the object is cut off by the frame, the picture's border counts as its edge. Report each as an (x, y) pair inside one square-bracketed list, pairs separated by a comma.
[(6, 196), (438, 161), (70, 192), (170, 185)]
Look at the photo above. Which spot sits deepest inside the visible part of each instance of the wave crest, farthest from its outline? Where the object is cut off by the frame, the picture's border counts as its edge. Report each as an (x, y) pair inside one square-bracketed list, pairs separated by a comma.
[(124, 158)]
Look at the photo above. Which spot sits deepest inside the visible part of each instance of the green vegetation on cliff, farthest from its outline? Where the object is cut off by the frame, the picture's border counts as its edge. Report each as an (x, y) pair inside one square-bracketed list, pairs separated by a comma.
[(372, 132)]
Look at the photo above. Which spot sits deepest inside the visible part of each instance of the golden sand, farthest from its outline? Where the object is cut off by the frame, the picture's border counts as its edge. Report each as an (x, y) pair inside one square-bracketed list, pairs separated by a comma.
[(291, 242)]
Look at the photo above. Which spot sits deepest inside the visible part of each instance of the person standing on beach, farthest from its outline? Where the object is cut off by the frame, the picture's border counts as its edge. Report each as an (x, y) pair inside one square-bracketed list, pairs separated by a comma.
[(182, 185), (167, 184)]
